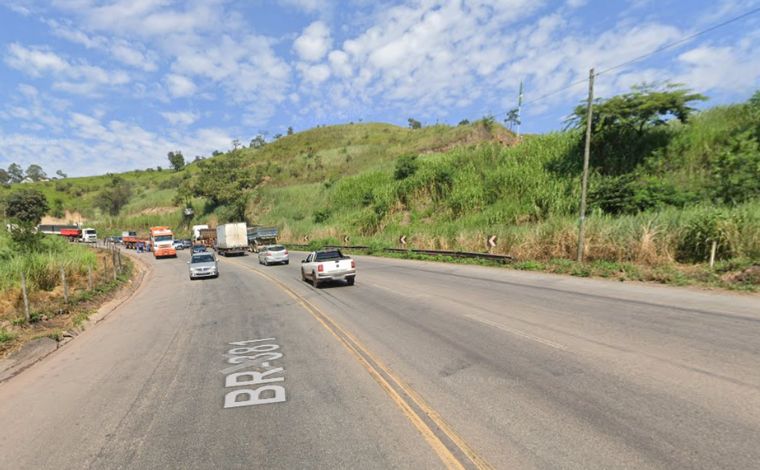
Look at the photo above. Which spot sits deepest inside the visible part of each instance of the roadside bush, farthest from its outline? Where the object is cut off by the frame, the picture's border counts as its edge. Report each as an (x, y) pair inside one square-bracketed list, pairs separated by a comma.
[(406, 166), (321, 216), (706, 227)]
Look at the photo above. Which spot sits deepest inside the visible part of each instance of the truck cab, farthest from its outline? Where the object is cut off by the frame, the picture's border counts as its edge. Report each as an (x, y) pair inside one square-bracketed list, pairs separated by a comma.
[(89, 235), (162, 242)]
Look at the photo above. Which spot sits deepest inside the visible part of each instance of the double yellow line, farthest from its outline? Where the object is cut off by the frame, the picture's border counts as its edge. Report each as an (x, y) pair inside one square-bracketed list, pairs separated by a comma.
[(447, 444)]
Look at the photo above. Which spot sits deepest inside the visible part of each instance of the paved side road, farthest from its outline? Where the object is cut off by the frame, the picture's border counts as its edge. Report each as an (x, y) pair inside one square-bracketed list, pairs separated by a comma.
[(419, 365)]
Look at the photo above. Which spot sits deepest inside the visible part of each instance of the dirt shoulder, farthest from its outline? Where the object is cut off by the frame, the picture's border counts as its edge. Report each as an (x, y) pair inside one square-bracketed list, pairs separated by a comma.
[(57, 324)]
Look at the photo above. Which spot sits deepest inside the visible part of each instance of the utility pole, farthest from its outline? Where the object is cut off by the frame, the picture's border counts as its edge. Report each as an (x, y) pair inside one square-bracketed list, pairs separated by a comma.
[(519, 109), (586, 153)]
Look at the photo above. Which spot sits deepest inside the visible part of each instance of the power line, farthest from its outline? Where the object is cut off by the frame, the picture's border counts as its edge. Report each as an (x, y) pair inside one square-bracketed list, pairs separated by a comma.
[(648, 54), (681, 41)]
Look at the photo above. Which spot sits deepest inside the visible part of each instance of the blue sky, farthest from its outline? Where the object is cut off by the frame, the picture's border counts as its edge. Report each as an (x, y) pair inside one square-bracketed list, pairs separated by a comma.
[(92, 86)]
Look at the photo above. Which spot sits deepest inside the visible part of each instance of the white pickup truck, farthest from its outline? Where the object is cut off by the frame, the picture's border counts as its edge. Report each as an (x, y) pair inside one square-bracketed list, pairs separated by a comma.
[(328, 265)]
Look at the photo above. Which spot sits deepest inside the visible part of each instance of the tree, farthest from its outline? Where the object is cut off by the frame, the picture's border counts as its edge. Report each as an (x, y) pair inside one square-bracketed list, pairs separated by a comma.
[(16, 173), (463, 122), (25, 209), (114, 196), (626, 128), (177, 160), (5, 177), (236, 144), (225, 181), (61, 174), (258, 142), (414, 124), (27, 206), (35, 172), (513, 118), (290, 130)]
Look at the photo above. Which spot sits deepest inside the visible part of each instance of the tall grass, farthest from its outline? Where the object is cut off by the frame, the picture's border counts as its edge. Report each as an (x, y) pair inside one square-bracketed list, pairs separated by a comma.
[(42, 267), (457, 199)]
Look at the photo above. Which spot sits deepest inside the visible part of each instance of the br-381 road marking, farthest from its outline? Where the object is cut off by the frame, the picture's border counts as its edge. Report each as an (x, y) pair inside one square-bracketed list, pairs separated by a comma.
[(248, 358)]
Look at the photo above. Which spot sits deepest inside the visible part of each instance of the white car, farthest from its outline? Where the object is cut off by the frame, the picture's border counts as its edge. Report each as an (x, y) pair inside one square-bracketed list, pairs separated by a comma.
[(273, 254), (328, 265)]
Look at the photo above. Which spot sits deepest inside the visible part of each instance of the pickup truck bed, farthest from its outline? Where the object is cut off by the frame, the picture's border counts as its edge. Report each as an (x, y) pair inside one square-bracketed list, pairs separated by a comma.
[(328, 265)]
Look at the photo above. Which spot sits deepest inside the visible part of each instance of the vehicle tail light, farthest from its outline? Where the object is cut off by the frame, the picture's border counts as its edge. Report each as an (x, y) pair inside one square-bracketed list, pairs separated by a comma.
[(286, 252), (353, 264), (321, 268)]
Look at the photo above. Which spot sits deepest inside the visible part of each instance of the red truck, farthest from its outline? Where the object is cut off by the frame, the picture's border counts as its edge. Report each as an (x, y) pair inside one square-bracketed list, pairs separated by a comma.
[(72, 232)]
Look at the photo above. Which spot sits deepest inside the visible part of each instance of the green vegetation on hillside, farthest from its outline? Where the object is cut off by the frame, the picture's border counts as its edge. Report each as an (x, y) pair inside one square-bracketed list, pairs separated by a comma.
[(666, 182)]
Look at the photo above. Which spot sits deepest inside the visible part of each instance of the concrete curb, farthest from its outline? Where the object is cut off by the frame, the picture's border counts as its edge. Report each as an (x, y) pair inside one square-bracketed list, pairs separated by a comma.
[(38, 349)]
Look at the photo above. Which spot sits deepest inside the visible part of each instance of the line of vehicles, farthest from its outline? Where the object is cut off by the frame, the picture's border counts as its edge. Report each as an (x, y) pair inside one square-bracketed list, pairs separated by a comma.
[(227, 239)]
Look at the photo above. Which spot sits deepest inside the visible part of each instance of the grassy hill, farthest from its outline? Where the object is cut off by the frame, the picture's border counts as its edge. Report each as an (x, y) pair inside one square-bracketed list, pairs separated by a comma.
[(451, 187)]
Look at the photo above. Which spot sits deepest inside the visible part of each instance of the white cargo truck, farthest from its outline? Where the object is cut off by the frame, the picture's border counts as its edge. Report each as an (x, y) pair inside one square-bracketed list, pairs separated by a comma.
[(232, 239), (197, 231)]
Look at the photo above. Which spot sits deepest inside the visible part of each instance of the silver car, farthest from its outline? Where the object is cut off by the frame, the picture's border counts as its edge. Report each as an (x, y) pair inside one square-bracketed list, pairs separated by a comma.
[(273, 254), (203, 265)]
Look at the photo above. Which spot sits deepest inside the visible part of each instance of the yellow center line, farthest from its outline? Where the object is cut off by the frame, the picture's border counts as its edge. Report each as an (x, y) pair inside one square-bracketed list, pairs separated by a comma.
[(376, 369)]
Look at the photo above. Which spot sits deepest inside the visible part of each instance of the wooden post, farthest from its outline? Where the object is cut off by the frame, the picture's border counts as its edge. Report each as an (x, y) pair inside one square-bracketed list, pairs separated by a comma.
[(26, 297), (586, 154), (712, 253), (89, 277), (65, 285)]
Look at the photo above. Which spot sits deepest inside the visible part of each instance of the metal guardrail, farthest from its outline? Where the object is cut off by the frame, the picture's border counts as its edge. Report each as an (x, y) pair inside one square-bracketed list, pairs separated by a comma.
[(454, 254)]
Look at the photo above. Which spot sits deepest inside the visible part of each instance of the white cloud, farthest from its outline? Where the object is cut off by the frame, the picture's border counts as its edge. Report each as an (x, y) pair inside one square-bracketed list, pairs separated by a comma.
[(184, 118), (34, 61), (314, 42), (720, 68), (79, 78), (314, 74), (34, 110), (127, 146), (308, 6), (179, 85)]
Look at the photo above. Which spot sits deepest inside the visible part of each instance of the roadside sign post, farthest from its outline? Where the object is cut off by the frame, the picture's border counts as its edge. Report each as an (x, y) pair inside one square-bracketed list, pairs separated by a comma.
[(491, 242)]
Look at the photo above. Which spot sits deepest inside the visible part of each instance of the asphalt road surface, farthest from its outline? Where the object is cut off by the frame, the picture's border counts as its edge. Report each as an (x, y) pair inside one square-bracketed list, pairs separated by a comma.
[(419, 365)]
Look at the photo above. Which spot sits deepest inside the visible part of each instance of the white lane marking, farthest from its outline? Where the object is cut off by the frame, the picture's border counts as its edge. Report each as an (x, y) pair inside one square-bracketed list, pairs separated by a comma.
[(517, 332)]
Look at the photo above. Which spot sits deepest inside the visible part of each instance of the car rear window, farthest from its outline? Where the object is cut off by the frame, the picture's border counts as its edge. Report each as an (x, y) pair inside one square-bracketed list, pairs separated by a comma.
[(276, 248), (328, 255), (203, 258)]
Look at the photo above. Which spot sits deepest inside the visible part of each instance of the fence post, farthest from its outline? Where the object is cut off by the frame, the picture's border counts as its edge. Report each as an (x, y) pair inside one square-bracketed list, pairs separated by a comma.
[(65, 286), (712, 253), (89, 277), (113, 261), (26, 298)]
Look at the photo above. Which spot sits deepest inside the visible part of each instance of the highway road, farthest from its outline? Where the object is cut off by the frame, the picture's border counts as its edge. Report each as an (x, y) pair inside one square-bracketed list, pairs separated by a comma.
[(419, 365)]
